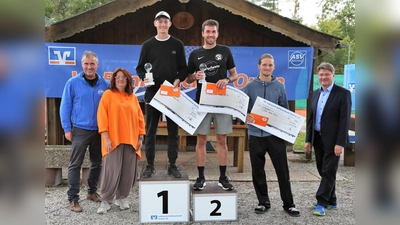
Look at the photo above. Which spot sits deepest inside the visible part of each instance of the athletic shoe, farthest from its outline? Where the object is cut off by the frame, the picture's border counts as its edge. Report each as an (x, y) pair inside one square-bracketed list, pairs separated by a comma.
[(200, 184), (224, 184)]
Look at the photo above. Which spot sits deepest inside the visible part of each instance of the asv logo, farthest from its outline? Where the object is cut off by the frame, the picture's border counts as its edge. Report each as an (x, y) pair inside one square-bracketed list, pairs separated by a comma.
[(297, 59), (64, 56)]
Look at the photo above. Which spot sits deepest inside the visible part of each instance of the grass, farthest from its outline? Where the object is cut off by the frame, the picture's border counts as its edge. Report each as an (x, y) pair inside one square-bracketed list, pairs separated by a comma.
[(300, 141), (299, 145)]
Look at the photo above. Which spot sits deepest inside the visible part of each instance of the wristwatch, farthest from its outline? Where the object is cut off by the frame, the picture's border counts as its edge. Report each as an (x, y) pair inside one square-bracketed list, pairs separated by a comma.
[(229, 80), (141, 138)]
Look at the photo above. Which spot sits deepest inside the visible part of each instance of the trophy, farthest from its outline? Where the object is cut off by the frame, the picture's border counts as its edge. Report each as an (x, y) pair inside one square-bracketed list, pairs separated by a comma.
[(203, 67), (149, 75)]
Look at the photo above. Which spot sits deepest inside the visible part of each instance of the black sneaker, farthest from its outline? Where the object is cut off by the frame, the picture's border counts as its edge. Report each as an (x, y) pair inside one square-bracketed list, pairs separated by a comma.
[(174, 171), (200, 184), (224, 184), (148, 171)]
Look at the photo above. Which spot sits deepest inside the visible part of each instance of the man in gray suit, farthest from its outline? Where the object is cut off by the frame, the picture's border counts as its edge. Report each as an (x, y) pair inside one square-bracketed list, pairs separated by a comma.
[(327, 130)]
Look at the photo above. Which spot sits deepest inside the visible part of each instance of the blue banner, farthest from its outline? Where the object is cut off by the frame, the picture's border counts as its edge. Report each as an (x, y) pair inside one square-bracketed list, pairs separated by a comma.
[(293, 65), (350, 83)]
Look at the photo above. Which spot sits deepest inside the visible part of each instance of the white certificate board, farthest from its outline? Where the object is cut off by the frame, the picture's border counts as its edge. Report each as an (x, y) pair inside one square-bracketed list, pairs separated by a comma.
[(282, 122), (235, 102), (182, 110)]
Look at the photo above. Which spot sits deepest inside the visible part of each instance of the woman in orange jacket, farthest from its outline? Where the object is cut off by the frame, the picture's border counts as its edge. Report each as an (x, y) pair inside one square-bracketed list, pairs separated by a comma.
[(121, 125)]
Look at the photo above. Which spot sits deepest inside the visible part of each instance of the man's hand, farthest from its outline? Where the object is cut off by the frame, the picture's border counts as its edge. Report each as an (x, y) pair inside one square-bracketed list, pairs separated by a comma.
[(145, 80), (249, 118), (338, 150), (68, 136), (307, 147), (222, 83), (176, 83)]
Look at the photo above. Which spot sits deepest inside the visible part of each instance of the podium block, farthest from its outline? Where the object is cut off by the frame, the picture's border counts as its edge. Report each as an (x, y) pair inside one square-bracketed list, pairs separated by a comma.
[(164, 199), (214, 204)]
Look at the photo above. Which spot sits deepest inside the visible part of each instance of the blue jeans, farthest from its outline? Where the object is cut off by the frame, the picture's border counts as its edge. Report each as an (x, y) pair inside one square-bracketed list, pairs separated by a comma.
[(81, 139)]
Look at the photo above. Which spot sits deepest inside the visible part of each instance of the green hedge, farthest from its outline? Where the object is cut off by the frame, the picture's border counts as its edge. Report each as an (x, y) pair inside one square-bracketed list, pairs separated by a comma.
[(302, 104)]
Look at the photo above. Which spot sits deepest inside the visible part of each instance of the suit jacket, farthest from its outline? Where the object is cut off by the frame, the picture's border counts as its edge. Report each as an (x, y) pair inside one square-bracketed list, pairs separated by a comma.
[(335, 119)]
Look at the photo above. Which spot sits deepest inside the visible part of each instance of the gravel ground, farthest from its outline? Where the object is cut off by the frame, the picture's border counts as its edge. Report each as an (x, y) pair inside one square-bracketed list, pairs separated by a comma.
[(57, 207)]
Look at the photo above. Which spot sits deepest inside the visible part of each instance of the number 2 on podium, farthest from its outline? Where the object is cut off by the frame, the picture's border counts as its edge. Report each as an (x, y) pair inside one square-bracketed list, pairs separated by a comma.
[(215, 211), (164, 195)]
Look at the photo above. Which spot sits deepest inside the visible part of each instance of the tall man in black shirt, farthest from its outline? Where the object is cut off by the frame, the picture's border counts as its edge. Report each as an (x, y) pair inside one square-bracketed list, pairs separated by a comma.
[(167, 57)]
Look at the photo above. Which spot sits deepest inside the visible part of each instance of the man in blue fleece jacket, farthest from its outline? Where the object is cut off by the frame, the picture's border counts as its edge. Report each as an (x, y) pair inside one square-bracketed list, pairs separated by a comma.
[(266, 86), (78, 112)]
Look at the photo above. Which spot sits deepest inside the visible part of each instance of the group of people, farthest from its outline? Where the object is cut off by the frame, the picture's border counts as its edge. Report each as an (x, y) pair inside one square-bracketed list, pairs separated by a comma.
[(106, 118)]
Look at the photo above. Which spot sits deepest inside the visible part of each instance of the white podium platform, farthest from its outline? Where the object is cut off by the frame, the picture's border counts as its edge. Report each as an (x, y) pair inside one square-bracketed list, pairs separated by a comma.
[(164, 199), (214, 204)]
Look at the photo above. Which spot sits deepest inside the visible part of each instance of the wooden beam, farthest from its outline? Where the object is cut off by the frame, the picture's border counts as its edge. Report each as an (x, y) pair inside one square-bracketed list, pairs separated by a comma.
[(55, 134), (93, 17), (279, 24)]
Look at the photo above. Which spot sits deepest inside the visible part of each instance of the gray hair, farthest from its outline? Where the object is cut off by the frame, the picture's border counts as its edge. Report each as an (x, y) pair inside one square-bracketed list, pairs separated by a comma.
[(88, 54)]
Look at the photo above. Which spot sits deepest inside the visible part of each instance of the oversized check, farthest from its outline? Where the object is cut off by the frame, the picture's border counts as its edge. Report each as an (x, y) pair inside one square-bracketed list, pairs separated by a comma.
[(182, 110), (282, 122), (235, 102)]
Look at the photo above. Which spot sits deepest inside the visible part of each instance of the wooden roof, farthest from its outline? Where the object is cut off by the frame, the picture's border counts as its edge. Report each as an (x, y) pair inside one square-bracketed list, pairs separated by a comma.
[(258, 15)]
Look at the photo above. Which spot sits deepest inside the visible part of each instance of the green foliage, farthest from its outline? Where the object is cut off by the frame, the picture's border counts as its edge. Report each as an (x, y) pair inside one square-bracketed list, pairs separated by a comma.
[(338, 19), (300, 141), (343, 10), (272, 5), (57, 10)]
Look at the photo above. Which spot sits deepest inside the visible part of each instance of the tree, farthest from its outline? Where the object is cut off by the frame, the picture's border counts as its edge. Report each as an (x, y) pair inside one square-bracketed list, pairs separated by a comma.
[(296, 7), (272, 5), (338, 19), (57, 10)]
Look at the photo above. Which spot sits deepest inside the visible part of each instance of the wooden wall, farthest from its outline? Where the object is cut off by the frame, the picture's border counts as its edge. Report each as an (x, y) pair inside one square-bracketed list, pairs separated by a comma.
[(137, 27)]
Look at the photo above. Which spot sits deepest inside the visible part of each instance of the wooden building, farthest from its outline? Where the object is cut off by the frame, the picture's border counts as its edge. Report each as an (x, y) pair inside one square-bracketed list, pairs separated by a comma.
[(242, 23)]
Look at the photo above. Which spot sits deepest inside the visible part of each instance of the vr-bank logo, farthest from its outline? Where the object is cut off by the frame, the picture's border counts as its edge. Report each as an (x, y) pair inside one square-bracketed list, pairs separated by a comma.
[(153, 217), (64, 56), (352, 87), (297, 59)]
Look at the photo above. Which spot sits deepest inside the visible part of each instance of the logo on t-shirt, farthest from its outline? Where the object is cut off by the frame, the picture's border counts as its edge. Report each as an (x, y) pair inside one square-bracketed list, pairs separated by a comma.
[(212, 68), (218, 57)]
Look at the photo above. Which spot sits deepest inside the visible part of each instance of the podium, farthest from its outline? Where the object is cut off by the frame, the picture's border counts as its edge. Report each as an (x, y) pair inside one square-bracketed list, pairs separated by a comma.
[(164, 199), (214, 204)]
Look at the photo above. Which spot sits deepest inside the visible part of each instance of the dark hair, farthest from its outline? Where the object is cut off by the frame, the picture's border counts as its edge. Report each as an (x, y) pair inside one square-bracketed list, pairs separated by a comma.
[(210, 22), (326, 66), (129, 86)]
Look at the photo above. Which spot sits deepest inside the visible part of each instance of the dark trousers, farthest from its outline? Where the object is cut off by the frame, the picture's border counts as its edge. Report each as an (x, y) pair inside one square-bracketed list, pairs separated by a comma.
[(327, 165), (276, 149), (152, 119), (81, 139)]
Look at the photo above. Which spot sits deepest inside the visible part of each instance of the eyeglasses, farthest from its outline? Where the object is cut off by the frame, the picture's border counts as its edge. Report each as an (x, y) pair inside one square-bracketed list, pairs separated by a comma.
[(120, 77)]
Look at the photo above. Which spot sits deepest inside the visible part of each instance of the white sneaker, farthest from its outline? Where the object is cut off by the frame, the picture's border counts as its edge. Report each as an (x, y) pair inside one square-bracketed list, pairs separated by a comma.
[(104, 207), (121, 203)]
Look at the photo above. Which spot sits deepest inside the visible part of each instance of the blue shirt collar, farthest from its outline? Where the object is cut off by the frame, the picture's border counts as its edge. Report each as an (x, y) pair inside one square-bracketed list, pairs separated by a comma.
[(329, 89)]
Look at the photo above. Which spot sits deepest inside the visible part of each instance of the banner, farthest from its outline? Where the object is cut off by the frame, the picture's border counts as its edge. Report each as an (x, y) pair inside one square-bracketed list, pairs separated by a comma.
[(293, 66), (350, 83)]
